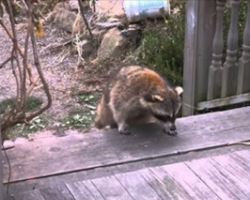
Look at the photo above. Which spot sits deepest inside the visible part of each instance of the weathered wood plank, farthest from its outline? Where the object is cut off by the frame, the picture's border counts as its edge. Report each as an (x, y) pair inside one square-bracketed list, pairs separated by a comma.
[(244, 62), (187, 184), (157, 184), (215, 70), (137, 186), (245, 155), (235, 168), (241, 98), (199, 29), (73, 152), (111, 189), (30, 195), (57, 193), (93, 190), (79, 191), (242, 158), (230, 67), (221, 182), (162, 189)]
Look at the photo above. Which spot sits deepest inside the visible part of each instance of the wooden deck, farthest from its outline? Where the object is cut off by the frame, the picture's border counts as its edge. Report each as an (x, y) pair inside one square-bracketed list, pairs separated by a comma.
[(209, 159), (220, 177)]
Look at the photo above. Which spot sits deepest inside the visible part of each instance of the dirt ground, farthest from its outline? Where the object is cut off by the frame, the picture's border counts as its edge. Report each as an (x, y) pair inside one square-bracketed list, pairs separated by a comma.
[(75, 89)]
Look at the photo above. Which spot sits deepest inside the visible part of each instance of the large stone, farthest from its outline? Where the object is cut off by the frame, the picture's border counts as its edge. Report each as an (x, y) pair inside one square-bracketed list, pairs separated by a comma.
[(111, 8), (65, 19), (112, 45), (74, 5), (78, 26)]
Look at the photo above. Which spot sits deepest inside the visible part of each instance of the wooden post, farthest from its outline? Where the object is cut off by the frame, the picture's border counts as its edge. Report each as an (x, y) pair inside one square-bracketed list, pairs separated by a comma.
[(1, 170), (244, 62), (215, 71), (230, 68), (199, 32)]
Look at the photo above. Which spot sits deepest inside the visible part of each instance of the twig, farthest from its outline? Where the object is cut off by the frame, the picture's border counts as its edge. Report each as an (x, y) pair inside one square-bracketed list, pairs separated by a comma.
[(19, 49), (5, 62), (17, 114), (39, 70), (15, 74), (84, 18), (57, 45), (14, 39)]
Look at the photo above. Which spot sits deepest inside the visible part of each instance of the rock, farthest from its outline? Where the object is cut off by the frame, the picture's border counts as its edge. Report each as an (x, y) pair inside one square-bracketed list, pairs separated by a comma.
[(132, 31), (111, 8), (8, 144), (106, 25), (78, 25), (65, 19), (112, 19), (61, 5), (133, 59), (98, 34), (112, 45), (73, 4), (85, 47)]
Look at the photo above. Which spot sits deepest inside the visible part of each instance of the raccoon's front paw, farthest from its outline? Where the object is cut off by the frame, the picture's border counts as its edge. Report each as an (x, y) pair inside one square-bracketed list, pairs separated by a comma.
[(124, 131), (171, 132)]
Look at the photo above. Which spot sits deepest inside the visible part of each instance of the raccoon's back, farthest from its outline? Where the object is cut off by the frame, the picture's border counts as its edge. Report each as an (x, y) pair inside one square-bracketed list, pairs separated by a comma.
[(136, 80)]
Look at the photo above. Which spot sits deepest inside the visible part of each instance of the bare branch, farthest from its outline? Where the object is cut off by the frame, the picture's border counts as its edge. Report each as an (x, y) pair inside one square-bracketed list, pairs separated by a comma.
[(84, 18), (17, 114), (39, 70), (5, 62), (19, 49)]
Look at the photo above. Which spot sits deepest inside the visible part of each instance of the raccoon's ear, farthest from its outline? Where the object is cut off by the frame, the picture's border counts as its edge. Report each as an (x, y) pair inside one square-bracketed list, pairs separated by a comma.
[(179, 90), (153, 98)]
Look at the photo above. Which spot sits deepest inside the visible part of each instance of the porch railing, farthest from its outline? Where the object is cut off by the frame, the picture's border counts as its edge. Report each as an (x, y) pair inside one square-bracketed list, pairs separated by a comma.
[(208, 81)]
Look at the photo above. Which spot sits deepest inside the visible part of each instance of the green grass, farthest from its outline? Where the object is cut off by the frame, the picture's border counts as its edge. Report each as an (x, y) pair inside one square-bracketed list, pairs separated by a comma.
[(82, 118), (23, 130), (32, 103)]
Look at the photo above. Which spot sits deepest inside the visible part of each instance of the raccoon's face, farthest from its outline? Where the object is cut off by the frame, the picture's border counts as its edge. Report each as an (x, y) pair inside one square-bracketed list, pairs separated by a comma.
[(164, 108)]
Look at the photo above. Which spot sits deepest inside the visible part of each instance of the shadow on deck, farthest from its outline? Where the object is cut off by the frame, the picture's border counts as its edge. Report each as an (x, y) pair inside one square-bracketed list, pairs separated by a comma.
[(196, 164)]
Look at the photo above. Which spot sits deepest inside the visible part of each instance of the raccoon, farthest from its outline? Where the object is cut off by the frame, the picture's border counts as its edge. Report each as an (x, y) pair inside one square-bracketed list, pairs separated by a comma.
[(137, 95)]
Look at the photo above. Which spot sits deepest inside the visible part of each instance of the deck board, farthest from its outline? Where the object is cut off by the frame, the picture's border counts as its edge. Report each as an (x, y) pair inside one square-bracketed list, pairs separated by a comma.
[(31, 195), (111, 189), (79, 191), (55, 155), (136, 186), (219, 180), (93, 190), (183, 183), (228, 163), (216, 177), (57, 193)]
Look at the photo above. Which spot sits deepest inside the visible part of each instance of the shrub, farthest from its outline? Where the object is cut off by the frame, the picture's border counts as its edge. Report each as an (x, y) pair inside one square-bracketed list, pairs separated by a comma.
[(163, 46)]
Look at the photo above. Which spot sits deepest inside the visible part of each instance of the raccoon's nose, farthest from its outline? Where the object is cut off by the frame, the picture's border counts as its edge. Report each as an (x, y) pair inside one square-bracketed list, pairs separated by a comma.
[(173, 127)]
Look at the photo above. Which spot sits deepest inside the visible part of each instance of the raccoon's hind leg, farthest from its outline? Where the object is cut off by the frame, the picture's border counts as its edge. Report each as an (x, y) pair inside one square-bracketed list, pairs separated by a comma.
[(104, 116), (129, 117), (121, 121)]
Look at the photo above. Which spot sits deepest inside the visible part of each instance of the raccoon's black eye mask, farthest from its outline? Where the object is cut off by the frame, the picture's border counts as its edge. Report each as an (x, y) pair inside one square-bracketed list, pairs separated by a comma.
[(163, 118)]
